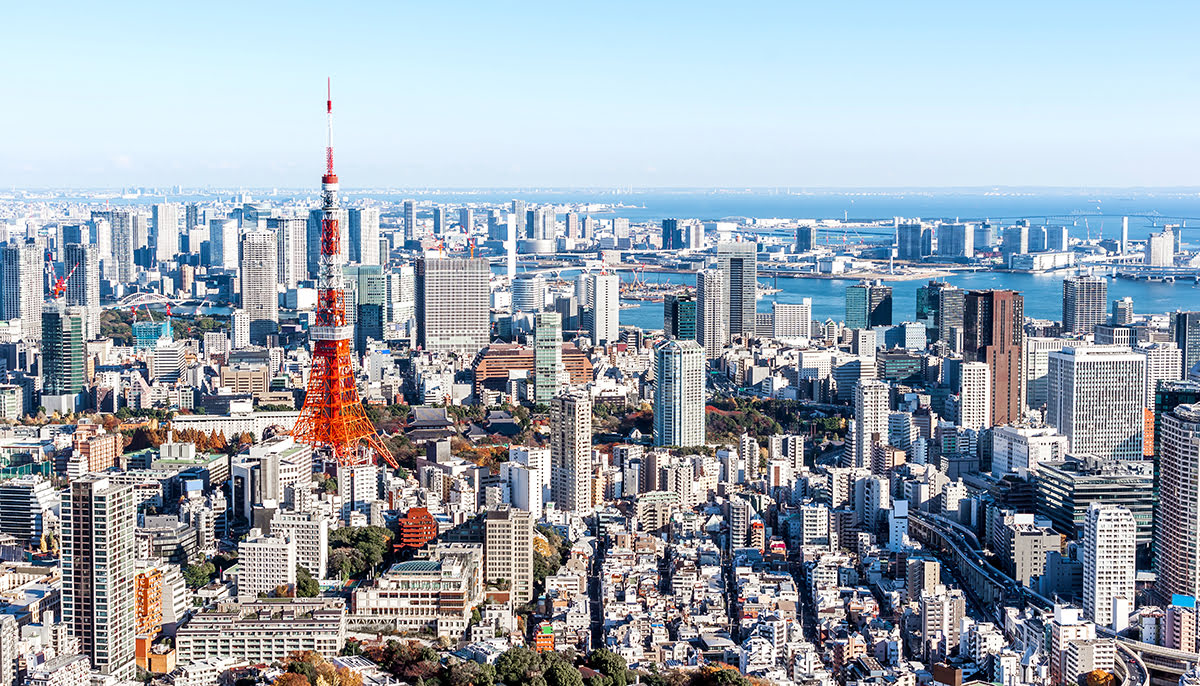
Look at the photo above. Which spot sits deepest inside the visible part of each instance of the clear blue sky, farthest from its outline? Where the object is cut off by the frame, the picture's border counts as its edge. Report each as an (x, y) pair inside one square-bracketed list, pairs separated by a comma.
[(455, 94)]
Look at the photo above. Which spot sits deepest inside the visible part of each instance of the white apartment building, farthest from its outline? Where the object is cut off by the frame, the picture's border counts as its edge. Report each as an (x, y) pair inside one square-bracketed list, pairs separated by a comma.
[(975, 393), (679, 394), (263, 632), (310, 533), (1024, 447), (870, 418), (571, 451), (265, 563), (1109, 562)]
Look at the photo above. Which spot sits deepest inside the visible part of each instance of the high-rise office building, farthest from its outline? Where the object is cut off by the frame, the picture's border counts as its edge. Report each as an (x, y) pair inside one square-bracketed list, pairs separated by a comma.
[(975, 396), (223, 239), (605, 298), (528, 293), (792, 320), (21, 287), (1109, 560), (508, 550), (121, 231), (870, 419), (993, 327), (291, 254), (1083, 301), (547, 356), (517, 207), (868, 304), (439, 220), (806, 238), (452, 305), (739, 267), (63, 365), (83, 288), (1163, 363), (710, 312), (1177, 518), (679, 394), (166, 231), (259, 282), (466, 219), (191, 217), (679, 316), (672, 235), (574, 225), (571, 451), (410, 220), (1185, 326), (98, 520), (1122, 312), (1096, 396), (940, 309), (364, 235)]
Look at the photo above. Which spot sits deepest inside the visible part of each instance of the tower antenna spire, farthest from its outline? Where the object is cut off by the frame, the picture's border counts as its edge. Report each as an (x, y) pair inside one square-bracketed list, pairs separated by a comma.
[(328, 126)]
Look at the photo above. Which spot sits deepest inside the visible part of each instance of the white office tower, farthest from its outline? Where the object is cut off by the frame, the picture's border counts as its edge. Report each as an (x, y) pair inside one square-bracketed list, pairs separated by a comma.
[(870, 419), (604, 291), (1160, 249), (452, 305), (310, 532), (1084, 303), (792, 320), (166, 231), (264, 564), (21, 287), (98, 549), (223, 243), (528, 293), (410, 220), (239, 326), (1177, 520), (710, 312), (739, 266), (508, 550), (537, 459), (679, 394), (902, 431), (571, 451), (83, 288), (1164, 362), (259, 284), (359, 487), (1035, 363), (1095, 399), (975, 396), (1015, 449), (291, 243), (364, 235), (1109, 533), (510, 249)]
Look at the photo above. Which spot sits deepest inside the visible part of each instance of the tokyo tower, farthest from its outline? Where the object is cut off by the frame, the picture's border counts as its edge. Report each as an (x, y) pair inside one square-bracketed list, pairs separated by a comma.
[(333, 418)]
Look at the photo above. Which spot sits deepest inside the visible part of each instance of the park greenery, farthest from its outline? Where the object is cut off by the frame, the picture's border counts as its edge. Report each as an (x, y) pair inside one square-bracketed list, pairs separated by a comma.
[(356, 551)]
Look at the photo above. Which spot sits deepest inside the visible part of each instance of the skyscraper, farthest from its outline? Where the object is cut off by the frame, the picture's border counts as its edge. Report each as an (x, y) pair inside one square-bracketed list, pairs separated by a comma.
[(806, 238), (166, 231), (528, 293), (672, 236), (868, 304), (1177, 518), (1122, 312), (975, 396), (1162, 364), (508, 550), (21, 287), (571, 451), (1160, 249), (679, 394), (466, 219), (679, 316), (870, 419), (739, 267), (914, 241), (1096, 396), (1186, 329), (63, 365), (710, 312), (364, 235), (98, 519), (439, 220), (547, 355), (993, 327), (83, 288), (291, 249), (1108, 552), (410, 220), (1083, 302), (452, 305), (956, 240), (123, 244), (605, 297), (259, 282)]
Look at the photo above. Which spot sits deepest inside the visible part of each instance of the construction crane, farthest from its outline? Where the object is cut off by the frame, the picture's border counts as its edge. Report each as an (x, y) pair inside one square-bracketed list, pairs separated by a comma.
[(60, 283)]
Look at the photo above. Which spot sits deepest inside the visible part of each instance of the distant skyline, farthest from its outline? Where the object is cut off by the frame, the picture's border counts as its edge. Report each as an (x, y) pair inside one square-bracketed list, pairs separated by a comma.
[(483, 95)]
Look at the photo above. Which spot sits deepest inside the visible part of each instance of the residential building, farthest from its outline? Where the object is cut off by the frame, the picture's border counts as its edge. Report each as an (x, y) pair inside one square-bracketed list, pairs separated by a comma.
[(571, 451), (508, 551), (739, 269), (265, 563), (711, 331), (1177, 519), (548, 371), (605, 306), (679, 394), (21, 286), (259, 283), (263, 632), (993, 326), (1083, 303), (1109, 562)]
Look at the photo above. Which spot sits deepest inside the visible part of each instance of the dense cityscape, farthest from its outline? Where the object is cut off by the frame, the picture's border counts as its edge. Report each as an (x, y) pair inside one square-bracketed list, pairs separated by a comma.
[(668, 344)]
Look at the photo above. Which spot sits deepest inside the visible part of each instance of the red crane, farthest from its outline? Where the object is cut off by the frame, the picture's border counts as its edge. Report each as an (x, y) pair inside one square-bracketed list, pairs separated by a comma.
[(60, 284)]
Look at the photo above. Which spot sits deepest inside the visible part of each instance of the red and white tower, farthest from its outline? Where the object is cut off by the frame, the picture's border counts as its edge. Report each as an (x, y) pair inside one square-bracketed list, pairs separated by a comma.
[(333, 417)]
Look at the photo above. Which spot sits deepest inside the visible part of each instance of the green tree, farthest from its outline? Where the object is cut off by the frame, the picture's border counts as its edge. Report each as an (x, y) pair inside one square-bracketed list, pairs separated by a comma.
[(610, 665), (306, 585), (199, 575), (562, 674), (514, 665)]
